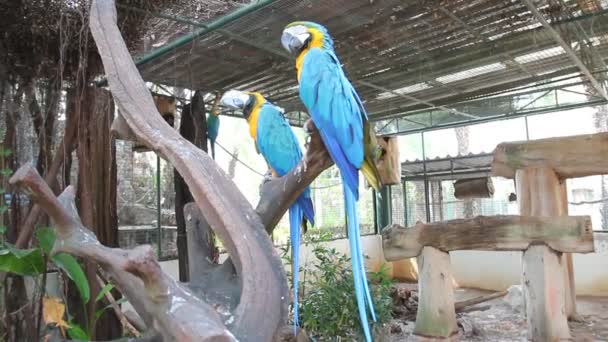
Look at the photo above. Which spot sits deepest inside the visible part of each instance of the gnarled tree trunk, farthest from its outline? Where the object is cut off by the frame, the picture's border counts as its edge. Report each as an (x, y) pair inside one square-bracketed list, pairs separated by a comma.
[(97, 189), (193, 127)]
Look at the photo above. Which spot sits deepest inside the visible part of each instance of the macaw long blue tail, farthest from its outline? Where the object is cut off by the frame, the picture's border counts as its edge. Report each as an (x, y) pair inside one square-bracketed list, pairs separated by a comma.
[(364, 272), (307, 207), (212, 143), (359, 275), (295, 220)]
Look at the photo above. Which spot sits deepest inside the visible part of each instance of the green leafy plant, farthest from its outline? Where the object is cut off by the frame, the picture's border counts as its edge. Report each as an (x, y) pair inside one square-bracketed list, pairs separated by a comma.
[(67, 263), (328, 305), (76, 332), (32, 262)]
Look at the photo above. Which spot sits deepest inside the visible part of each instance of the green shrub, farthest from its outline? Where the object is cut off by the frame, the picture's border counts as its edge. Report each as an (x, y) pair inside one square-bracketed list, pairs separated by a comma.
[(328, 307)]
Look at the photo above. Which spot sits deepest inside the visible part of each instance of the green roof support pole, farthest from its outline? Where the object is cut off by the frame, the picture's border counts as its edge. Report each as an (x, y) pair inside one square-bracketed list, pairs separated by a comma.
[(212, 26), (384, 208)]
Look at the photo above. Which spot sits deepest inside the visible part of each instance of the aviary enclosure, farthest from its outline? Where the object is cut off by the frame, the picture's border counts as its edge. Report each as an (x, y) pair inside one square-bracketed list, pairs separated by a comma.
[(71, 89)]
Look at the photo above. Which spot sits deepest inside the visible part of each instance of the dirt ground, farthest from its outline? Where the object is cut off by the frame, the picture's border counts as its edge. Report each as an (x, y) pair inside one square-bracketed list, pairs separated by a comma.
[(504, 322)]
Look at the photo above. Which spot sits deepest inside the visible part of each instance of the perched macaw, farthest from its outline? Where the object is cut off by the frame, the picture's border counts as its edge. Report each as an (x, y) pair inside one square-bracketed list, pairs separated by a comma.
[(276, 142), (339, 115), (213, 125)]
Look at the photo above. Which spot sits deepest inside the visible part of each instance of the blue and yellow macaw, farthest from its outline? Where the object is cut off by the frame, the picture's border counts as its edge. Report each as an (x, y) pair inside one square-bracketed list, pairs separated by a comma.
[(213, 125), (276, 142), (339, 115)]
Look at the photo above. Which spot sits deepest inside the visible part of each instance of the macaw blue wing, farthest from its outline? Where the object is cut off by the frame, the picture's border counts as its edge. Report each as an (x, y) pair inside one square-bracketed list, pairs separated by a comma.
[(328, 95), (276, 141), (279, 146)]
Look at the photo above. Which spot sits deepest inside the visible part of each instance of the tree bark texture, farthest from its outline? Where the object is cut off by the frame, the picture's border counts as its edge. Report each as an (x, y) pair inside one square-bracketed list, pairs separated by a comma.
[(19, 319), (62, 157), (97, 189), (193, 127)]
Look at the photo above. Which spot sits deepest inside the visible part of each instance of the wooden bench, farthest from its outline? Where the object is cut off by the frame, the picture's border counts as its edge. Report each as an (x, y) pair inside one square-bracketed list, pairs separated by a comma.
[(431, 243), (544, 233)]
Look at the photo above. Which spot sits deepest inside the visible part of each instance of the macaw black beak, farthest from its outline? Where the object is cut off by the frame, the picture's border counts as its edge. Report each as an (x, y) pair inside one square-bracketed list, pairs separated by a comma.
[(293, 42)]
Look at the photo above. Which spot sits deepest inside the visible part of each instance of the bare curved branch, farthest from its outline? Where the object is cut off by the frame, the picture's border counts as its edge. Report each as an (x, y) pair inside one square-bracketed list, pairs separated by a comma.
[(263, 282)]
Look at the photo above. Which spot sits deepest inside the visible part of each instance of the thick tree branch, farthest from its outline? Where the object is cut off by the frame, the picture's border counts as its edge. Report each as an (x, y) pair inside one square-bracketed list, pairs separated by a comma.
[(167, 306), (263, 281), (217, 283)]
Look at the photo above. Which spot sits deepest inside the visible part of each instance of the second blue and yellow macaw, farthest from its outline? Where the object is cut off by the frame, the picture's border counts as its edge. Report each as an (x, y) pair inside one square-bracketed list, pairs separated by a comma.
[(277, 143), (339, 115), (213, 124)]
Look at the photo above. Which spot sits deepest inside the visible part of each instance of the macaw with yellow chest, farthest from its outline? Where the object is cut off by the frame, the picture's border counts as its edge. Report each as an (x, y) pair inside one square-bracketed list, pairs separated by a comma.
[(276, 142), (339, 115)]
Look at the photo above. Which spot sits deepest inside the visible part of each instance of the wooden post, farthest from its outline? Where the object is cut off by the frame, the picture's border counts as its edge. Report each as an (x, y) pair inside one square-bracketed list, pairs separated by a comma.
[(570, 289), (436, 316), (539, 194)]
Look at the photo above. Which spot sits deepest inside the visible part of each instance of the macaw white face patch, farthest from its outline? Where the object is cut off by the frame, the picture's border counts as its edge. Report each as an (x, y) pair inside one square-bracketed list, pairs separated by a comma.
[(294, 38), (234, 99)]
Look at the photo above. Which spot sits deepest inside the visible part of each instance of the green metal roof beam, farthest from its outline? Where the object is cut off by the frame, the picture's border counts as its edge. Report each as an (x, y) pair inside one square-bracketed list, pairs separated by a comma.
[(498, 117), (191, 22), (212, 26)]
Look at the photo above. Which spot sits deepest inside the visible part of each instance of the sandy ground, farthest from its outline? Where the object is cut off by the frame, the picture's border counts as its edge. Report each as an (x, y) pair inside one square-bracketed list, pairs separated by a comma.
[(503, 322)]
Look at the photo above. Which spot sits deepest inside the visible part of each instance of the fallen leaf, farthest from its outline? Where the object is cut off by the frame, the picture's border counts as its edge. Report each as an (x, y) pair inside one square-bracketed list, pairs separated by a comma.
[(52, 312)]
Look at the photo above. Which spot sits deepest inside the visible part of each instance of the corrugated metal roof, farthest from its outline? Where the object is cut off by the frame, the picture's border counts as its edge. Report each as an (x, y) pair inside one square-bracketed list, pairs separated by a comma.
[(457, 167), (423, 52)]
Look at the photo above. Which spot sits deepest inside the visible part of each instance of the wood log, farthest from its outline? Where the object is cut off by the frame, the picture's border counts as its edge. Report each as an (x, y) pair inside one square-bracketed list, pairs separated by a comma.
[(473, 188), (436, 316), (492, 233), (539, 193), (567, 263), (389, 166), (559, 206), (576, 156)]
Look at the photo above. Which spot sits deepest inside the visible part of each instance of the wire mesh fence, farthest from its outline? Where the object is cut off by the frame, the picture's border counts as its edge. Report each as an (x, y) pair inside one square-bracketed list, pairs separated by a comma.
[(444, 206), (138, 190), (139, 178), (330, 215)]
